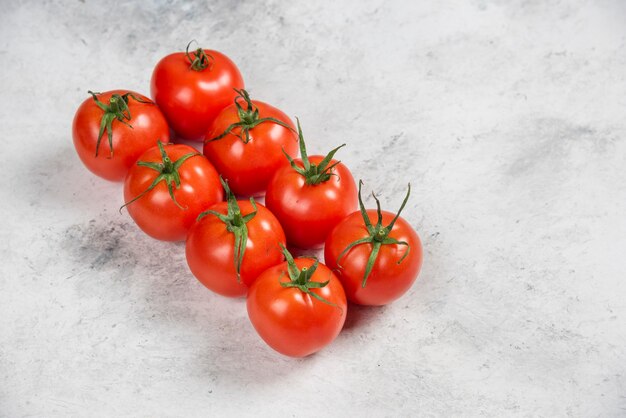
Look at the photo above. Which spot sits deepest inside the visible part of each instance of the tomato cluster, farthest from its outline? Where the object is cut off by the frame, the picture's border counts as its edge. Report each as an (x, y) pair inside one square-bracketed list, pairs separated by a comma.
[(235, 247)]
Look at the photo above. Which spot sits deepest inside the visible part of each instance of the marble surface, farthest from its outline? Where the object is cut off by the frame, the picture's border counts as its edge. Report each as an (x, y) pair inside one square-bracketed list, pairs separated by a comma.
[(507, 117)]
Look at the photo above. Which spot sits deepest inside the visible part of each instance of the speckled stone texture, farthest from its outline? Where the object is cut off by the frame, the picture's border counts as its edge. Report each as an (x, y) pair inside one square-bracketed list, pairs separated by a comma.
[(509, 120)]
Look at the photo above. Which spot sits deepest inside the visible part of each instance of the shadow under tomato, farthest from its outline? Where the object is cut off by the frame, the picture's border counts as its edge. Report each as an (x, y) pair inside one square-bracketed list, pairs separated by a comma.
[(57, 180), (112, 260), (361, 316), (300, 252)]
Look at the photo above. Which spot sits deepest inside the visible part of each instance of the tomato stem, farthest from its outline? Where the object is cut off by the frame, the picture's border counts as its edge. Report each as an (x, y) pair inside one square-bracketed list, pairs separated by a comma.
[(235, 224), (248, 119), (168, 172), (378, 234), (313, 173), (200, 60), (301, 278), (116, 109)]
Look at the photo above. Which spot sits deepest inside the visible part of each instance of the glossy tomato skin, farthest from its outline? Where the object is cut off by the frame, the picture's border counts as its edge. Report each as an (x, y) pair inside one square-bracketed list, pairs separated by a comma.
[(250, 166), (388, 279), (309, 212), (156, 213), (210, 249), (291, 322), (192, 99), (148, 126)]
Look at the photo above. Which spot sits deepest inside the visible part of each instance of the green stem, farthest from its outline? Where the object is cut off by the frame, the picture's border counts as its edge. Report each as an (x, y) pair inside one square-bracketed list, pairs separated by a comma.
[(235, 224), (378, 234), (248, 119), (313, 173), (168, 172), (115, 109), (301, 278), (199, 60)]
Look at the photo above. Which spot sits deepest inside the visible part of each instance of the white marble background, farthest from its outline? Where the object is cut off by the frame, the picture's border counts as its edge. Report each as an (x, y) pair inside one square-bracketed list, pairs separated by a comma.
[(509, 120)]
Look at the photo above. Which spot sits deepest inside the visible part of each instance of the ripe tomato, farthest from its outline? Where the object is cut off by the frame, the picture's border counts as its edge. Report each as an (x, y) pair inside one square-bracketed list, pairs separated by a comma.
[(246, 145), (192, 88), (311, 196), (375, 263), (232, 243), (132, 124), (297, 307), (168, 188)]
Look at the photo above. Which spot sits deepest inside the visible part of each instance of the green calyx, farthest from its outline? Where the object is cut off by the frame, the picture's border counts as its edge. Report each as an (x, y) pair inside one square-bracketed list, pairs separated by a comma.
[(199, 60), (248, 119), (116, 109), (168, 172), (301, 279), (235, 224), (313, 173), (378, 234)]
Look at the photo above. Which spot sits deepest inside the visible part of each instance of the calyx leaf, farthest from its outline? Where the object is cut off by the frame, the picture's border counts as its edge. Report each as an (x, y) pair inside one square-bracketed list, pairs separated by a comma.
[(313, 173), (116, 109), (378, 234), (199, 60), (168, 172), (301, 278), (235, 223), (248, 119)]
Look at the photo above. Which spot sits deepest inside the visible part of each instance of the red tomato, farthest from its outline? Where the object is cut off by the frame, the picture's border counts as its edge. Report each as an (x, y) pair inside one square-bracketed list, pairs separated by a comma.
[(232, 243), (168, 188), (394, 266), (246, 145), (297, 307), (192, 88), (112, 129), (311, 196)]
